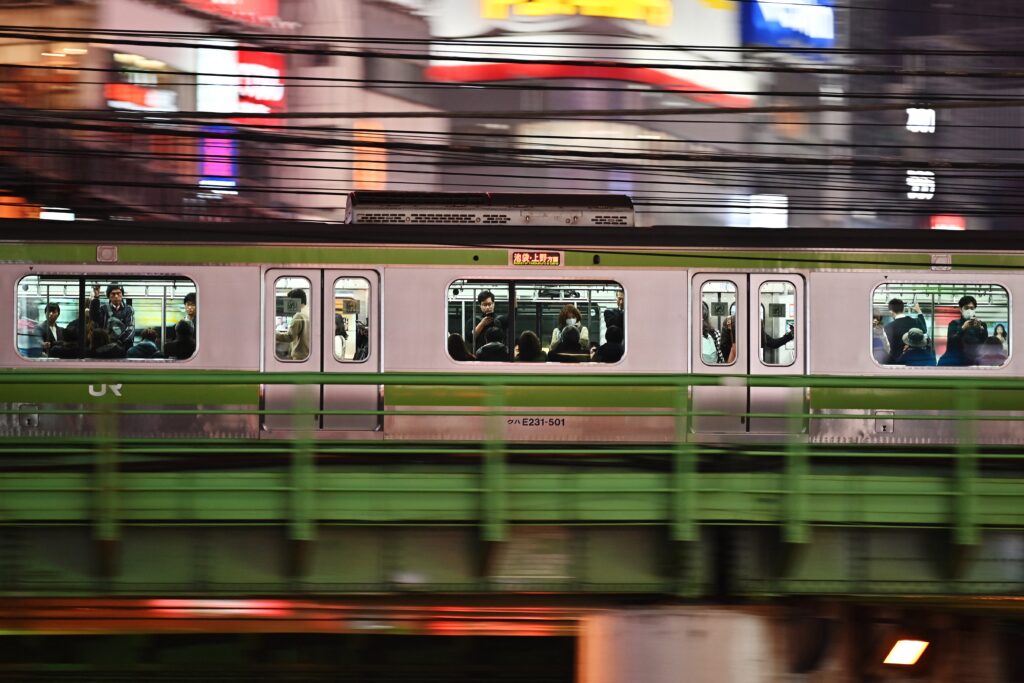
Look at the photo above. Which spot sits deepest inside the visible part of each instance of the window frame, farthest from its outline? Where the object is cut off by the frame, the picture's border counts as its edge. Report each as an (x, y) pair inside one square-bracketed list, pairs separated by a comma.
[(352, 333), (83, 300), (947, 280), (735, 324), (796, 324), (511, 286), (309, 296)]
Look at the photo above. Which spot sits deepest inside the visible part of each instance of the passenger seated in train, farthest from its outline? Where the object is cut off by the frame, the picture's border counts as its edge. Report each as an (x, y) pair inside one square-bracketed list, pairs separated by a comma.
[(900, 325), (611, 351), (916, 349), (184, 344), (103, 347), (569, 348), (530, 350), (964, 335), (457, 348), (70, 346), (494, 348), (570, 317), (990, 352), (147, 346)]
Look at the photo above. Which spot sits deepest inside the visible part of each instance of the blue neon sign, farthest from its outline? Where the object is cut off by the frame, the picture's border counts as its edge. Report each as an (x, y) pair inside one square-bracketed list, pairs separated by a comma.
[(788, 23)]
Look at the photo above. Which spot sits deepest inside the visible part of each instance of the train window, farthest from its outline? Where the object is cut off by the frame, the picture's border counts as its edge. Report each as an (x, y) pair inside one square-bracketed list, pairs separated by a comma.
[(106, 317), (351, 319), (778, 323), (291, 319), (940, 324), (719, 339), (532, 321)]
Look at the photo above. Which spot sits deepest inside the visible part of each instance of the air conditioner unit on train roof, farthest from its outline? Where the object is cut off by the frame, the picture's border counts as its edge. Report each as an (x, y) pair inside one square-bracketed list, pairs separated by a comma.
[(488, 208)]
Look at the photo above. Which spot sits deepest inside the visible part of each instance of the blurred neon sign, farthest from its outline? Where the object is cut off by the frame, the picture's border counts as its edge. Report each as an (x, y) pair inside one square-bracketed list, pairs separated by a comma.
[(653, 12)]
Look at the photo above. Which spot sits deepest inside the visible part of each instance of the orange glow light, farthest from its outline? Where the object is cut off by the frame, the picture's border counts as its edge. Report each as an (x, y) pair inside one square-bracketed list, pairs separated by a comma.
[(906, 652)]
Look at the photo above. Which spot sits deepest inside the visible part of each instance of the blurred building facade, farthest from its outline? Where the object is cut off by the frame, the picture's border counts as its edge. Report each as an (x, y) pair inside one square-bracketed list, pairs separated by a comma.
[(128, 170), (946, 151)]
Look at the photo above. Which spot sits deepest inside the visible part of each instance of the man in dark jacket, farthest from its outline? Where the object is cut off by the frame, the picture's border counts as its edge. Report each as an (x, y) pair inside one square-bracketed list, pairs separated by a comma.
[(115, 316), (611, 351), (900, 325), (51, 333)]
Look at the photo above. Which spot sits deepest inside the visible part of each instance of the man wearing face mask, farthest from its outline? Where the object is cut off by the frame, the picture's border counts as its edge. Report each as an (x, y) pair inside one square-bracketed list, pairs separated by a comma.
[(964, 335)]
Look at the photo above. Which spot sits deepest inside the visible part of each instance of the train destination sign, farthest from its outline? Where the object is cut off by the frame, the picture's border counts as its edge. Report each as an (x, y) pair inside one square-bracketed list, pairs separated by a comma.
[(536, 258)]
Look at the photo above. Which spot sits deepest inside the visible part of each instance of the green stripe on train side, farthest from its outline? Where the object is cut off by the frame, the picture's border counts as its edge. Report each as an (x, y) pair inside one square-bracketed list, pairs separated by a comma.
[(912, 399), (191, 254), (532, 397), (135, 394), (762, 260), (176, 254)]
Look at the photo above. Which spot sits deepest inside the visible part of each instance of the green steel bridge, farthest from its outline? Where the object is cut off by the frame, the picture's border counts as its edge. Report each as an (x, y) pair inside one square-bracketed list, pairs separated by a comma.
[(102, 514)]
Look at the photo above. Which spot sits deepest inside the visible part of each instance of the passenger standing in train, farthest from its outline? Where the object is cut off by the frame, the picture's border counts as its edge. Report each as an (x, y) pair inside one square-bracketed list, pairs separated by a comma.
[(487, 320), (616, 317), (964, 335), (879, 342), (115, 317), (570, 317), (51, 333), (727, 340), (1000, 333), (916, 350), (710, 339), (613, 349), (190, 311), (297, 335), (900, 325)]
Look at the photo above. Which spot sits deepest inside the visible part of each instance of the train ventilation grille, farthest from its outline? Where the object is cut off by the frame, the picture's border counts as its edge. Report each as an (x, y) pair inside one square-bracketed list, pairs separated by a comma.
[(610, 220), (382, 218), (496, 219)]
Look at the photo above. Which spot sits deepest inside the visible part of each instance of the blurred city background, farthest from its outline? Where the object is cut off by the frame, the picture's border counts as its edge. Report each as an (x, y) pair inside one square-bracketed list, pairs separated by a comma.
[(834, 113)]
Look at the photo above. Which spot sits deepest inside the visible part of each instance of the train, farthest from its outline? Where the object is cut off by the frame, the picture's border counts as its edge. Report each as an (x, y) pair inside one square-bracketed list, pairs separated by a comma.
[(473, 284)]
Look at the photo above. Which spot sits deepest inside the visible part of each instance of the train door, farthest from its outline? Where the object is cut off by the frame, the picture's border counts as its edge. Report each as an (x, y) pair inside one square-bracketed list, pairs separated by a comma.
[(320, 321), (776, 340), (718, 348)]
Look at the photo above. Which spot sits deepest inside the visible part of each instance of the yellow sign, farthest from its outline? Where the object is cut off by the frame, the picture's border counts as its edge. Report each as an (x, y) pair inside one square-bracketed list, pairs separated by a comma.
[(653, 12), (536, 258)]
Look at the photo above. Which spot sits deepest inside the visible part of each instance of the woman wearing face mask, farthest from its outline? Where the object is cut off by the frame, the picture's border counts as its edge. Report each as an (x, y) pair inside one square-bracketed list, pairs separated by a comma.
[(964, 335), (999, 332), (569, 317)]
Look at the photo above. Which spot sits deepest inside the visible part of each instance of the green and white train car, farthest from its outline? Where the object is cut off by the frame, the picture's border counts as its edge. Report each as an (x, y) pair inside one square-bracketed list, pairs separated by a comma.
[(387, 293)]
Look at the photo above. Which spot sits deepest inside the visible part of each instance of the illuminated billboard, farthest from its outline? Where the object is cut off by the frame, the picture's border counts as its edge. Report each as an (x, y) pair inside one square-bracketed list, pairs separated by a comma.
[(248, 11), (609, 33), (794, 23)]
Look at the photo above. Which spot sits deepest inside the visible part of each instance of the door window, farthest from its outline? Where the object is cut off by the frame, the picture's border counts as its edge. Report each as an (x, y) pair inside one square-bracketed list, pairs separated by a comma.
[(291, 319), (719, 324), (778, 323)]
